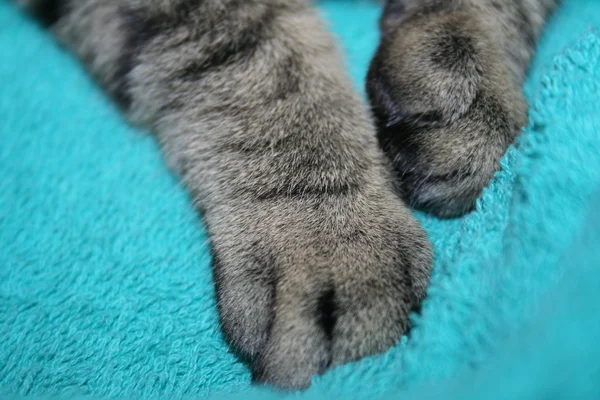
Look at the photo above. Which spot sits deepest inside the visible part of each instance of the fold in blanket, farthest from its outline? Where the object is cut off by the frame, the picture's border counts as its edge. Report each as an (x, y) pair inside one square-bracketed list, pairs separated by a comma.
[(105, 281)]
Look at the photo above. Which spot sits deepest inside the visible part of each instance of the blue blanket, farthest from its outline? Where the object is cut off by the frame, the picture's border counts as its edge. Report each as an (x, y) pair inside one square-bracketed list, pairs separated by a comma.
[(105, 282)]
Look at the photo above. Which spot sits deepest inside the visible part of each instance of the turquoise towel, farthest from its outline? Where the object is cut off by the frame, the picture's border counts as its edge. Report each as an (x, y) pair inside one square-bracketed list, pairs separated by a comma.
[(105, 283)]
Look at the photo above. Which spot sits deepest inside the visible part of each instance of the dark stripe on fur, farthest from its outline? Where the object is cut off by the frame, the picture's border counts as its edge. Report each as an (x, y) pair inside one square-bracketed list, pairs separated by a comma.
[(289, 190), (289, 81), (48, 12), (139, 28), (326, 312), (239, 49)]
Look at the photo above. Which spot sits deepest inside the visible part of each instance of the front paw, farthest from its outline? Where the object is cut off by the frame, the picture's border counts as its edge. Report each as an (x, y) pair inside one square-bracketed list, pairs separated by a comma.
[(304, 284), (447, 107)]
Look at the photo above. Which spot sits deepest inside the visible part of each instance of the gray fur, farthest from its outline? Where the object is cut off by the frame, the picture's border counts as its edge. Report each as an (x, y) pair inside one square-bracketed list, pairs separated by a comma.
[(445, 85), (317, 261)]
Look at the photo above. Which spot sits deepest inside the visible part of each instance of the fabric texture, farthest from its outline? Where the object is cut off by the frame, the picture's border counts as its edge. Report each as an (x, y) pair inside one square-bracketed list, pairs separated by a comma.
[(105, 280)]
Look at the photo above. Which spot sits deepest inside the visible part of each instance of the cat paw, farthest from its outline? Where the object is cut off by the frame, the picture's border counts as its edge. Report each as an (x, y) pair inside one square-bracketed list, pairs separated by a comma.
[(446, 106), (306, 284)]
